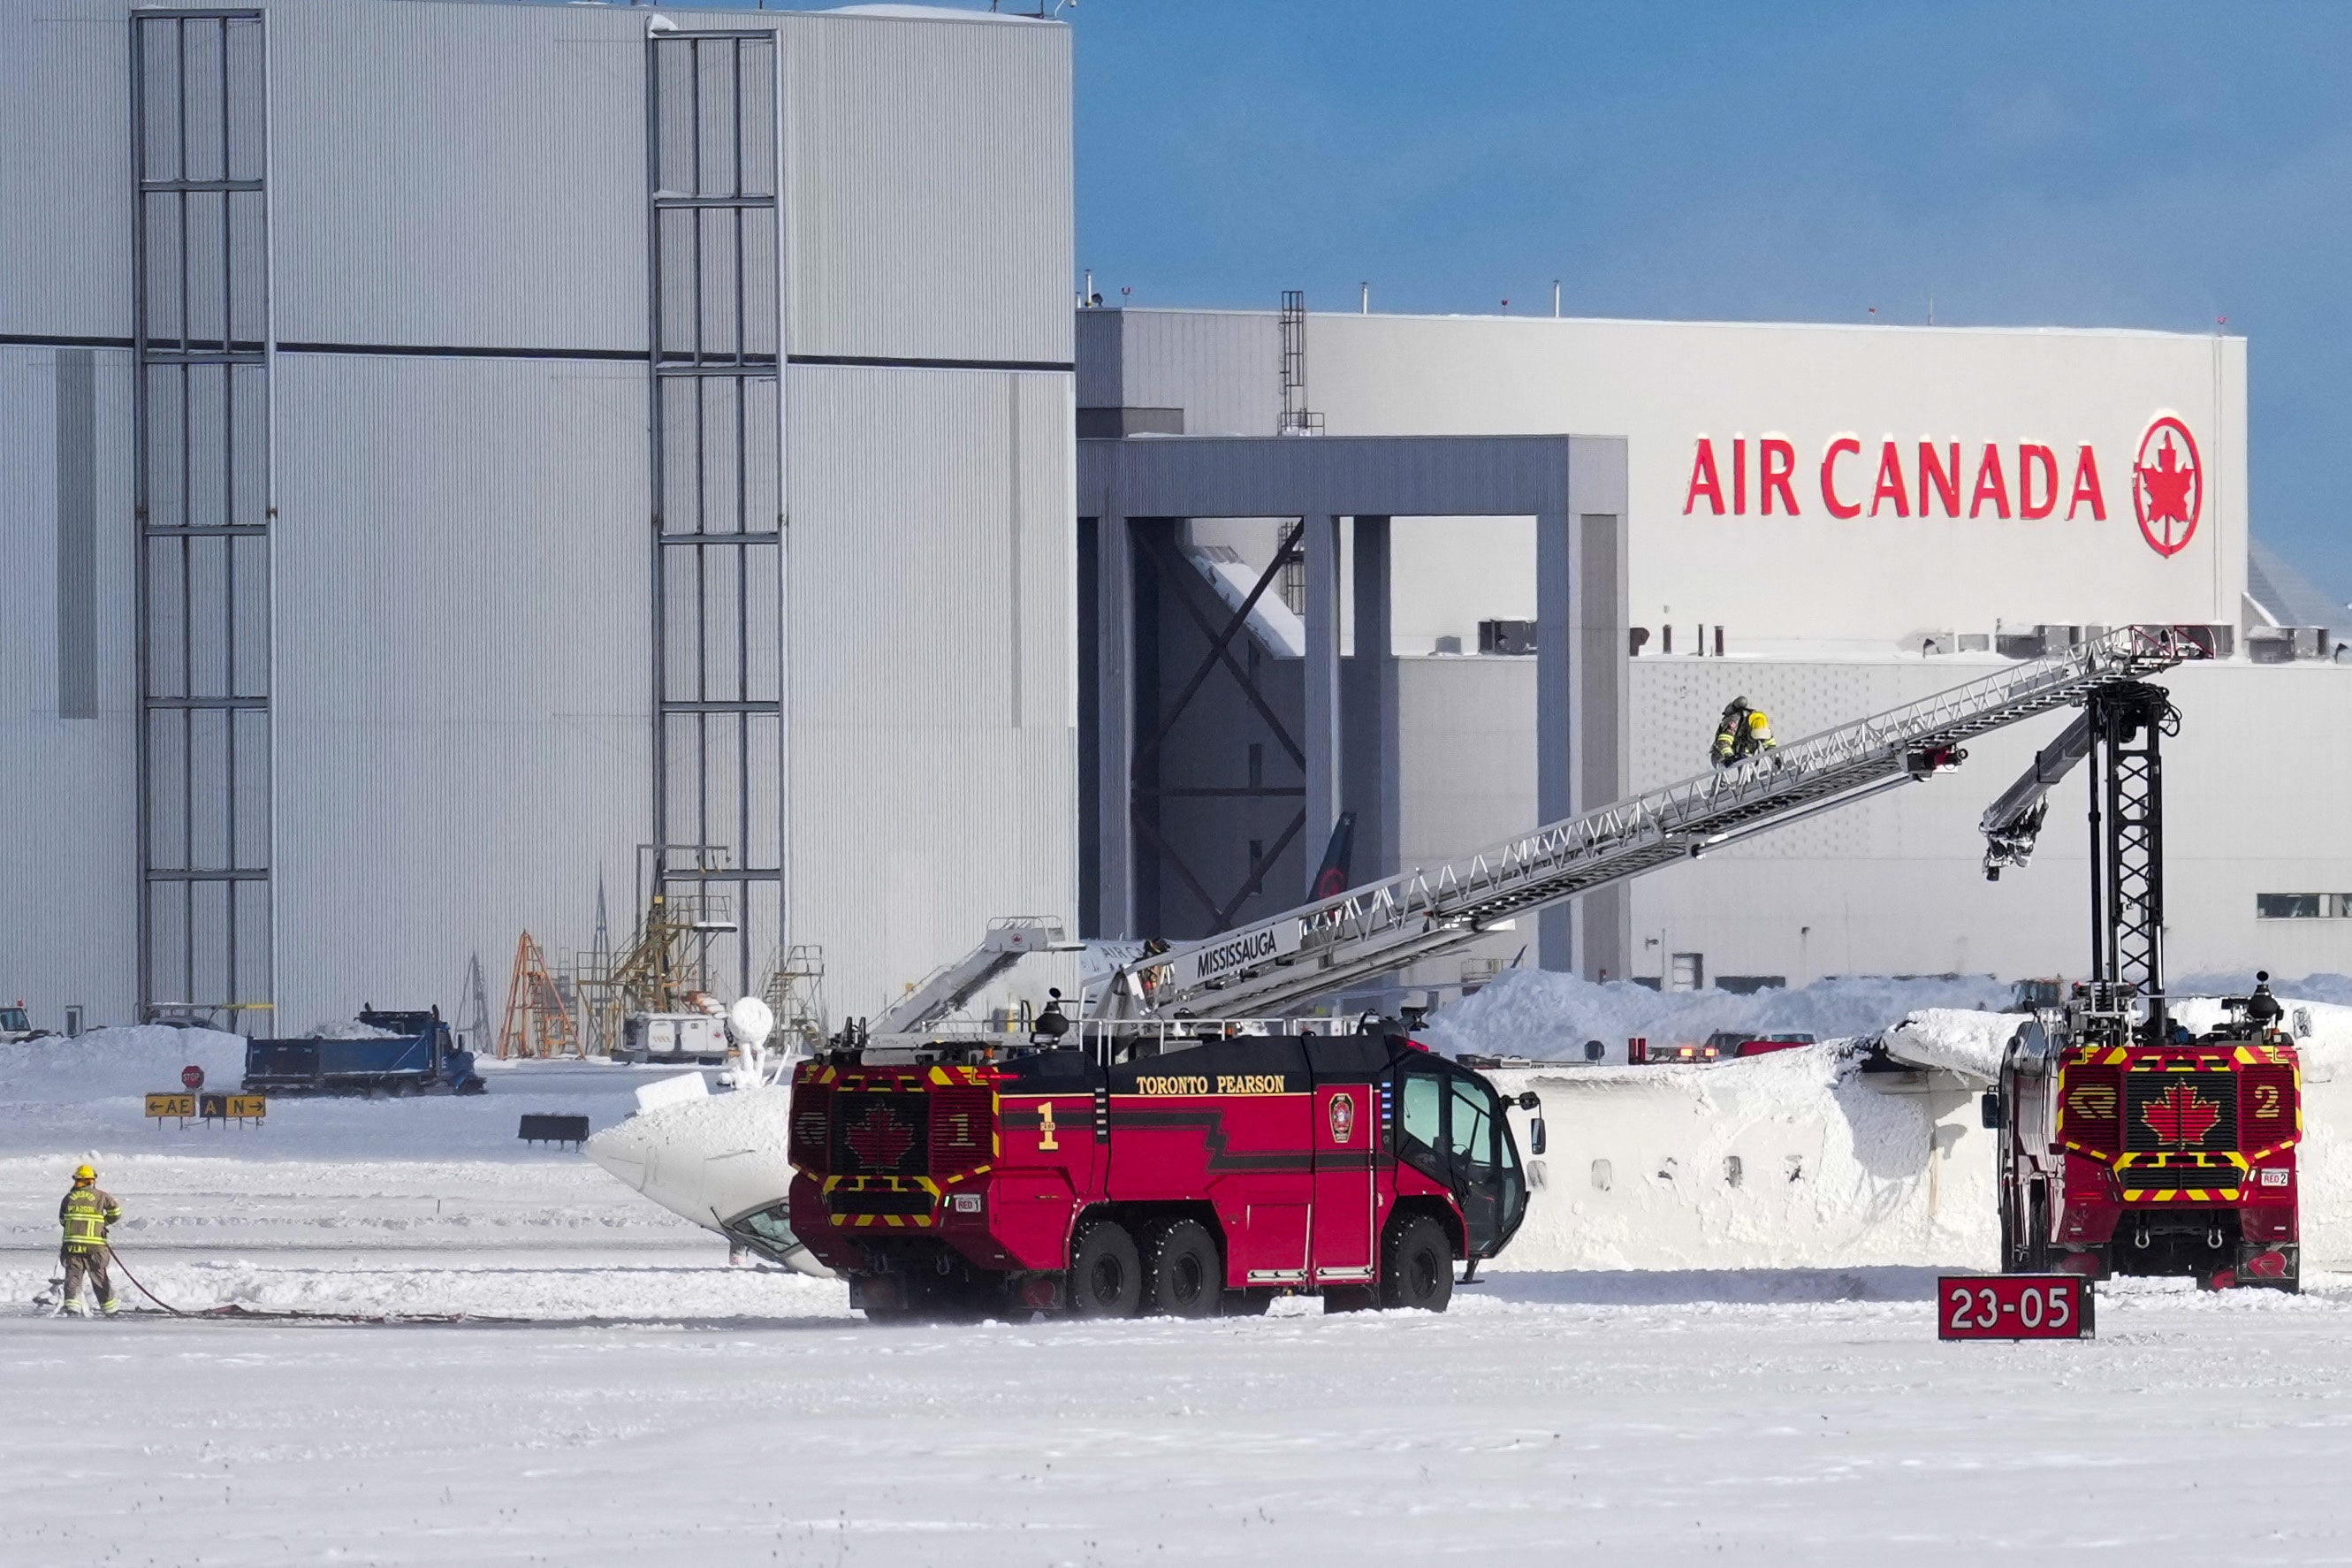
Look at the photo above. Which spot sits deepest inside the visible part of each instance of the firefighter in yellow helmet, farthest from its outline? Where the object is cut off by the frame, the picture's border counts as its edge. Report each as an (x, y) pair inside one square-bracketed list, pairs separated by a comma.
[(1744, 731), (85, 1214)]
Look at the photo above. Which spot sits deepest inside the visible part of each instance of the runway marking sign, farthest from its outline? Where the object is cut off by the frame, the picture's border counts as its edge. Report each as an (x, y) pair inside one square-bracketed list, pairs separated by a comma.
[(182, 1106), (2014, 1307)]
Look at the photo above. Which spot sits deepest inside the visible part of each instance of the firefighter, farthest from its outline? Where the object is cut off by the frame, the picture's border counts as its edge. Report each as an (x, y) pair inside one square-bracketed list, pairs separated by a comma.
[(1743, 732), (85, 1214)]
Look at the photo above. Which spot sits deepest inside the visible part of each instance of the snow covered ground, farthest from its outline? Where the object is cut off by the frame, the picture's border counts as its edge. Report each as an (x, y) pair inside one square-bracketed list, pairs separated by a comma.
[(1675, 1369), (1650, 1417)]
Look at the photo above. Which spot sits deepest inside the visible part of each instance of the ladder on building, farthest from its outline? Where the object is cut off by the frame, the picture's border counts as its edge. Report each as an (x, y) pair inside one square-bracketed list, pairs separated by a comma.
[(794, 992), (1279, 963), (537, 1023)]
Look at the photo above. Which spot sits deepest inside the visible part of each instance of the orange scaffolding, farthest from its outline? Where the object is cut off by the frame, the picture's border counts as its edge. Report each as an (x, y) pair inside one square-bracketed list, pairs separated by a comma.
[(537, 1023)]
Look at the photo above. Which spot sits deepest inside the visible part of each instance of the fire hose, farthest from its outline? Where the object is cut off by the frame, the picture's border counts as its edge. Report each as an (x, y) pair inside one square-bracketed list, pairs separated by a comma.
[(141, 1288)]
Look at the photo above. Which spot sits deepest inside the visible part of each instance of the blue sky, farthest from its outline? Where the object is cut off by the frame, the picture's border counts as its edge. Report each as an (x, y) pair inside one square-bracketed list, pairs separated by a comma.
[(2150, 164)]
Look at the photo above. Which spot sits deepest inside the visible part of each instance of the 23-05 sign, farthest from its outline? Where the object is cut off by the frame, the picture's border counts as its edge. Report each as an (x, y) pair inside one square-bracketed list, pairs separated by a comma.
[(2014, 1307)]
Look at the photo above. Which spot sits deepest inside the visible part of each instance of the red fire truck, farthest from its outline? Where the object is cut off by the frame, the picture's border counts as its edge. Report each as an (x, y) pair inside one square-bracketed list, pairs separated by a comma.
[(2128, 1144), (2120, 1156), (1182, 1168)]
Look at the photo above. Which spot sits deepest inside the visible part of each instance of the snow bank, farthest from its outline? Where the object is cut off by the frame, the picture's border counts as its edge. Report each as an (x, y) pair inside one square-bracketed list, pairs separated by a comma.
[(1955, 1040), (1792, 1160), (1535, 1013), (111, 1063)]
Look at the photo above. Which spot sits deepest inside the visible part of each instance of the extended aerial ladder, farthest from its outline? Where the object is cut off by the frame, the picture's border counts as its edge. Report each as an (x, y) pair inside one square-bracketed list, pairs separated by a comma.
[(1273, 964), (2122, 725)]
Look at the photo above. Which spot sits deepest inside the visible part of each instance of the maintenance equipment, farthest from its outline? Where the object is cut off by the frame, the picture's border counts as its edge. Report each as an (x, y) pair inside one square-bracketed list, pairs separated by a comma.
[(653, 999), (414, 1054), (538, 1022)]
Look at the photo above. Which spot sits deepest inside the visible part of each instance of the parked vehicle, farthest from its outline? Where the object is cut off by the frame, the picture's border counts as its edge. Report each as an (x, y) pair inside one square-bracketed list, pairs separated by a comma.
[(414, 1054)]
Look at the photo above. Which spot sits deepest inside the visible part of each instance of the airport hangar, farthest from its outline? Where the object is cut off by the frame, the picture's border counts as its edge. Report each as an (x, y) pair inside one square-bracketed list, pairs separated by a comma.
[(356, 662), (1828, 520), (319, 687)]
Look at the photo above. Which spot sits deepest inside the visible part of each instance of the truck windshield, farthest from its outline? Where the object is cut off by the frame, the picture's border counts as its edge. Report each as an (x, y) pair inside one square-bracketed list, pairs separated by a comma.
[(12, 1018)]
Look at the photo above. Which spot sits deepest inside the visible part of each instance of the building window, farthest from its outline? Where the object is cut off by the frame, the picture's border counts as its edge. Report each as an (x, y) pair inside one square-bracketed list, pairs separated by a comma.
[(2303, 906), (1689, 973), (73, 1022)]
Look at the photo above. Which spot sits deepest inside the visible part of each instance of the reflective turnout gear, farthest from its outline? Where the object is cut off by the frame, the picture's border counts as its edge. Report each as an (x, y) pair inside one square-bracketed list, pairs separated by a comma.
[(1743, 732), (85, 1214), (91, 1266)]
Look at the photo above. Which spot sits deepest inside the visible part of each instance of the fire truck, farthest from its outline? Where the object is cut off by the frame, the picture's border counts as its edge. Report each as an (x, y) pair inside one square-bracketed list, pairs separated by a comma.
[(1192, 1169), (2128, 1144)]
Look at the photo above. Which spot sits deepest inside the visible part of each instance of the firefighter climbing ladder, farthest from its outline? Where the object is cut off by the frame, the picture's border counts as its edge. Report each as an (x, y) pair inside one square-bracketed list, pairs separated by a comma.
[(1269, 965)]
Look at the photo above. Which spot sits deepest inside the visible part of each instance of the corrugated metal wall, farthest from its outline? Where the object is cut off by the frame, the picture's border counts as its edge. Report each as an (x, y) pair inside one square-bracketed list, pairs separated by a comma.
[(1223, 368), (928, 170), (462, 702), (459, 175), (462, 583), (933, 712), (65, 181), (68, 914)]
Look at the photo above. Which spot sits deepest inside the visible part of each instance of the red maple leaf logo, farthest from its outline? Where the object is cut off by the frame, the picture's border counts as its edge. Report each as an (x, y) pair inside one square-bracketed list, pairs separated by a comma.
[(2167, 492), (2182, 1117), (881, 1140)]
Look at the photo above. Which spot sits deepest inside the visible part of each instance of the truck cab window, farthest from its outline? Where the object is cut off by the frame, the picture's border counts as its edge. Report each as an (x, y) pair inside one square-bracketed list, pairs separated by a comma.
[(1421, 1117), (1471, 1137)]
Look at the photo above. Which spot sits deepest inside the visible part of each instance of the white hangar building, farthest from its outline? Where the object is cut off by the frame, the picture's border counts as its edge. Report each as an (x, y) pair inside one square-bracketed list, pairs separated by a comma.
[(1829, 520), (454, 456)]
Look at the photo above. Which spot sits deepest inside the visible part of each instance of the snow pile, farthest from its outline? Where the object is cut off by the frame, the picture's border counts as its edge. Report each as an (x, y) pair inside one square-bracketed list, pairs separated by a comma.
[(1953, 1039), (347, 1029), (115, 1063), (1535, 1013), (1792, 1159)]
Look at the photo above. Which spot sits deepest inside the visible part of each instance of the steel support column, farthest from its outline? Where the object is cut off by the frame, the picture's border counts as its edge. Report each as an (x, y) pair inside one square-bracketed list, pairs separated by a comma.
[(1582, 692), (1322, 682), (1114, 561), (1368, 721)]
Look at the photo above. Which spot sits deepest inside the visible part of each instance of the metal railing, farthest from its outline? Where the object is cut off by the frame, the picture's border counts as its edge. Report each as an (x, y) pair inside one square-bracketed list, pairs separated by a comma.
[(1367, 931)]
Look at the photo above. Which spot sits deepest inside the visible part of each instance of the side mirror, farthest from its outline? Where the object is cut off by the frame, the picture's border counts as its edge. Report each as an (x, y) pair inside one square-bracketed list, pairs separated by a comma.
[(1535, 1137), (1989, 1108)]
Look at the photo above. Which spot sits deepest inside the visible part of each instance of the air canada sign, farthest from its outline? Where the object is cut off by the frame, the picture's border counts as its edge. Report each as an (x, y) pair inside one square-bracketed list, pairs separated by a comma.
[(2163, 482)]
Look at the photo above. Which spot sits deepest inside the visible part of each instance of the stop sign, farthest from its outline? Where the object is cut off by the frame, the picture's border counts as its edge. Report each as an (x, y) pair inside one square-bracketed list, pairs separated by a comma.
[(192, 1078)]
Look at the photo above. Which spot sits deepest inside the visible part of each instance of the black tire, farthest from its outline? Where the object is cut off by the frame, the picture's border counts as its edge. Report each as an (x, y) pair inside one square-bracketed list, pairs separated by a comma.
[(1416, 1266), (1183, 1276), (2037, 1231), (2007, 1233), (1106, 1273)]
